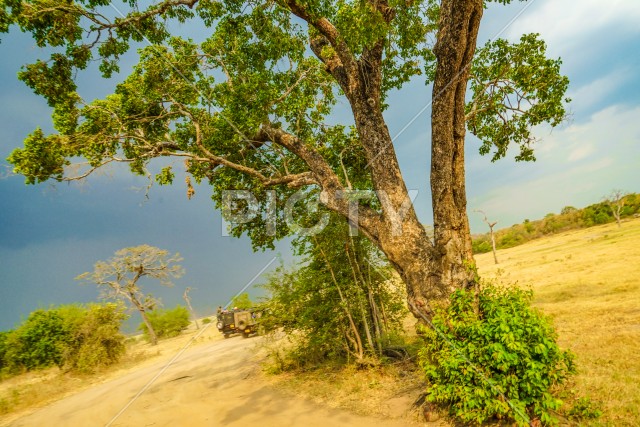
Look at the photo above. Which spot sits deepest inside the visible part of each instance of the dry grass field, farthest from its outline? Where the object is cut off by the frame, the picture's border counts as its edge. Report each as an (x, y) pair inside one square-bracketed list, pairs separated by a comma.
[(588, 281)]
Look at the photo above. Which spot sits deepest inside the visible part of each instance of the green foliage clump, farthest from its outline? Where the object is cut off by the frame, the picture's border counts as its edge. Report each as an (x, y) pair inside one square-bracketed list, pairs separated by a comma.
[(167, 323), (241, 301), (206, 321), (94, 338), (73, 337), (490, 355), (342, 305), (4, 335), (38, 343)]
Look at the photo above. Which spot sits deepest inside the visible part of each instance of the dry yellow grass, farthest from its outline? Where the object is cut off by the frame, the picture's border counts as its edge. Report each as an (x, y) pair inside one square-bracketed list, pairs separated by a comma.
[(386, 392), (588, 281)]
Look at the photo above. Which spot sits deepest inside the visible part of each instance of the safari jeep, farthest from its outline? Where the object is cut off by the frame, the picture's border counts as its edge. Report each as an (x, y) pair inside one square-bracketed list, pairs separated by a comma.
[(237, 322)]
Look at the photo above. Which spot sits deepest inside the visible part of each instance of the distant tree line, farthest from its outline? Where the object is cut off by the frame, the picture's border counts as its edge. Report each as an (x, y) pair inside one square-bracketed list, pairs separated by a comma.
[(569, 218)]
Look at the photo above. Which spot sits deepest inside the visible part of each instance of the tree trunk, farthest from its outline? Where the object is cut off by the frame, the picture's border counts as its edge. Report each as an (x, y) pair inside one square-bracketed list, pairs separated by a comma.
[(357, 342), (493, 243), (432, 271), (152, 334), (454, 50)]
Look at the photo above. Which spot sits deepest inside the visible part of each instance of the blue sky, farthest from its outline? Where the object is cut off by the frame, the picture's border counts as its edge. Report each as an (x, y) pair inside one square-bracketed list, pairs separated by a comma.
[(49, 234)]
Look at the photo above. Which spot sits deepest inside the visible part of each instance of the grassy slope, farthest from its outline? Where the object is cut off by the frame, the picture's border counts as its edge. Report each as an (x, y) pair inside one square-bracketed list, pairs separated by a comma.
[(588, 281)]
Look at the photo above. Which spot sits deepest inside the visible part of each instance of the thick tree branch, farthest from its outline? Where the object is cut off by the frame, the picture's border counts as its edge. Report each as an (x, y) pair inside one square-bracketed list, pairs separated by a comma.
[(333, 36), (369, 221)]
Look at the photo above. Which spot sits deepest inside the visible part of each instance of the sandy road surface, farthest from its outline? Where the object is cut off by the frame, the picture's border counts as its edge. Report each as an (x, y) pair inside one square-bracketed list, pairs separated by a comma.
[(214, 384)]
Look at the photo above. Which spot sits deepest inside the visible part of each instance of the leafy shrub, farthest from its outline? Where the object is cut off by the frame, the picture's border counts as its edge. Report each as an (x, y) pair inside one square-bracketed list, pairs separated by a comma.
[(167, 323), (206, 320), (95, 339), (74, 337), (493, 356), (4, 336), (481, 245), (242, 301), (38, 343)]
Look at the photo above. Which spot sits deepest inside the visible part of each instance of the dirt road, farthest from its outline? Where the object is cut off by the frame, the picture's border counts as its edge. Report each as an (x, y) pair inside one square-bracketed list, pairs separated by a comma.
[(214, 384)]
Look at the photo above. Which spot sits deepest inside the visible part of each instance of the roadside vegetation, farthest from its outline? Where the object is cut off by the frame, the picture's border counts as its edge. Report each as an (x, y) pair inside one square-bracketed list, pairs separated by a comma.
[(581, 283), (166, 323), (79, 338), (341, 305)]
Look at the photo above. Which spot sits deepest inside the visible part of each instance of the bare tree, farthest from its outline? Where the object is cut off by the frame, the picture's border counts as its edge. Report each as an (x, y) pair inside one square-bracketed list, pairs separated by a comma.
[(493, 239), (118, 278), (187, 299), (615, 201)]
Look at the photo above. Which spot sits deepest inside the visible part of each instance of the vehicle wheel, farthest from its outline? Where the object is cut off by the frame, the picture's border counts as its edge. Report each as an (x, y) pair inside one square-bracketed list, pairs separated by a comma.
[(226, 336), (245, 335)]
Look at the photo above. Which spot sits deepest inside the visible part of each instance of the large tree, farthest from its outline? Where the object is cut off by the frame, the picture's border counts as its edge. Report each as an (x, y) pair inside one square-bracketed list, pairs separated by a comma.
[(247, 107)]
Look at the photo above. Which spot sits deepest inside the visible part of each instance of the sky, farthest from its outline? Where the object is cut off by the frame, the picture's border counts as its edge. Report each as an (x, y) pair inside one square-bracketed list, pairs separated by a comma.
[(51, 233)]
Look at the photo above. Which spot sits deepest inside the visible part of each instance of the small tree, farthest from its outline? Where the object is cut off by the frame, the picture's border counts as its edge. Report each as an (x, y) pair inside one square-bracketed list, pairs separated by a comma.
[(493, 239), (94, 337), (615, 201), (38, 343), (74, 337), (187, 299), (118, 278)]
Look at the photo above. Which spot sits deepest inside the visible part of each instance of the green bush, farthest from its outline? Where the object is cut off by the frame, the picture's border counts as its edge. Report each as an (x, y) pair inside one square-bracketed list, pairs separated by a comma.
[(95, 339), (38, 343), (492, 356), (73, 337), (167, 323), (4, 336), (242, 301), (481, 245)]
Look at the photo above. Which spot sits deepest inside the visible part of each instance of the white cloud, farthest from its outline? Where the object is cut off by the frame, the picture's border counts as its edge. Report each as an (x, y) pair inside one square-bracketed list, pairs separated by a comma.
[(563, 23), (580, 153)]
